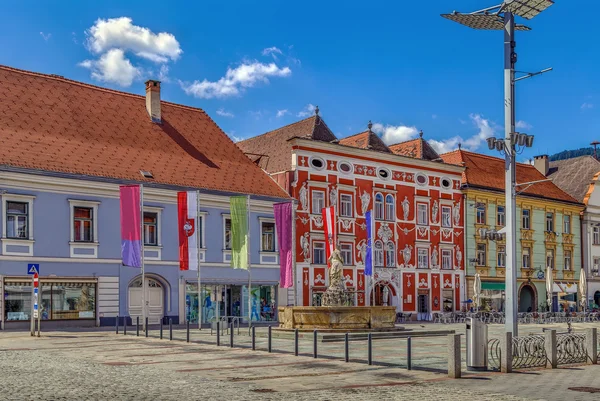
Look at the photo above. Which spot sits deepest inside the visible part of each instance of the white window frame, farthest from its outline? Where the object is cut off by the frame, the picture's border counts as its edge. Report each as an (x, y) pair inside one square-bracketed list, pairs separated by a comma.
[(313, 201), (550, 256), (479, 252), (422, 214), (483, 220), (321, 247), (550, 222), (347, 249), (501, 256), (18, 242), (500, 216), (73, 203), (422, 258), (155, 248), (266, 257), (447, 259), (390, 207), (596, 235), (226, 252), (567, 224), (595, 266), (446, 220), (378, 253), (379, 207), (526, 252), (346, 209), (390, 254), (568, 260), (526, 218)]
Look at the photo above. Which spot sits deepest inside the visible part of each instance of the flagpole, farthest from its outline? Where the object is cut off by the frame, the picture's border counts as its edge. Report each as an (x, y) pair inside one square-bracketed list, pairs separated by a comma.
[(198, 243), (294, 272), (144, 328), (373, 256), (249, 262)]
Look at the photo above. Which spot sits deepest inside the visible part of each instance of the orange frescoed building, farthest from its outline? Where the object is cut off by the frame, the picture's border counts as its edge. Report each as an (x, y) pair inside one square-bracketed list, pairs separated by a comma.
[(416, 200)]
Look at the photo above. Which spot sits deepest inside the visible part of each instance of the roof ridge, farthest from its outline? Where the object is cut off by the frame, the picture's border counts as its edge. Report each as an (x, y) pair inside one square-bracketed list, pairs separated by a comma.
[(403, 142), (280, 128), (61, 78), (496, 158), (353, 135)]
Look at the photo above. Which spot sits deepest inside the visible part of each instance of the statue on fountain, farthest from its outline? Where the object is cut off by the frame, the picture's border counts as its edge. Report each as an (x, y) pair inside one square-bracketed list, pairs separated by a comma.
[(336, 294)]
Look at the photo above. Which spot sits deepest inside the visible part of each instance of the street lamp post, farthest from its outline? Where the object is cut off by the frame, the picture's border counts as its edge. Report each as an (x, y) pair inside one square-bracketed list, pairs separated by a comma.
[(502, 17)]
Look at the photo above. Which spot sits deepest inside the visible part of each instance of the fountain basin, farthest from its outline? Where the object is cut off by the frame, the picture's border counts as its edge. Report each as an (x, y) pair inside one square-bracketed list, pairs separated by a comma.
[(337, 317)]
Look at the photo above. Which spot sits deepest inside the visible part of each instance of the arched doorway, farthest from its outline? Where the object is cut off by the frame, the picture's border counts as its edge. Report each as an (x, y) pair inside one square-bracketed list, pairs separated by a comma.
[(385, 294), (527, 302), (154, 298), (597, 297)]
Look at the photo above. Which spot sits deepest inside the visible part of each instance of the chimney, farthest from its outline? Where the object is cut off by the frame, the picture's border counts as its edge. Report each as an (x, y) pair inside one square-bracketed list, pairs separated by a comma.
[(153, 100), (541, 164)]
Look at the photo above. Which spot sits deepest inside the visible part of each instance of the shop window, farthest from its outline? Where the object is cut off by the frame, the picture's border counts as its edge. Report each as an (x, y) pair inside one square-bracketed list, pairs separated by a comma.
[(501, 256), (448, 300), (378, 254), (390, 255), (481, 255), (422, 214), (500, 216), (319, 253), (346, 251), (267, 235), (446, 216), (390, 210), (379, 207), (526, 219), (318, 202), (346, 205), (423, 258), (446, 259)]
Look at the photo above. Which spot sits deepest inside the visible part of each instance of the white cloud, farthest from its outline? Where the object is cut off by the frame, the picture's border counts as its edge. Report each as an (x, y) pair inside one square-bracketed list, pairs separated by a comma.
[(523, 125), (112, 67), (74, 38), (233, 137), (281, 113), (587, 106), (473, 143), (391, 134), (163, 73), (120, 33), (224, 113), (307, 111), (236, 80), (45, 36), (273, 51)]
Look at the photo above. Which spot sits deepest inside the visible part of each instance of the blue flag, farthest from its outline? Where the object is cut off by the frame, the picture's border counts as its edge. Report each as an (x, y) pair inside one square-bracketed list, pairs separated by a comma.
[(369, 253)]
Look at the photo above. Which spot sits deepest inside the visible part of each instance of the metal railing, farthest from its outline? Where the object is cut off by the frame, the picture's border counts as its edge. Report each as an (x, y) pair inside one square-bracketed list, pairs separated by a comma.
[(571, 348), (528, 352)]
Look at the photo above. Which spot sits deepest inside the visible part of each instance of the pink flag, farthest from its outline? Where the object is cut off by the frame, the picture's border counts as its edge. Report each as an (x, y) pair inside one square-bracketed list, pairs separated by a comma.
[(284, 227), (131, 225)]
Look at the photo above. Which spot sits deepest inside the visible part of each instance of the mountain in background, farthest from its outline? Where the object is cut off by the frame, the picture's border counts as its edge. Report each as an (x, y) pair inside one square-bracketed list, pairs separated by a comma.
[(569, 154)]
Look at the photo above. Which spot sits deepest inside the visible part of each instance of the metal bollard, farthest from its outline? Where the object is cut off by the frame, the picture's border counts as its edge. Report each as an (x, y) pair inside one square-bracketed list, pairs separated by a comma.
[(253, 330), (124, 326), (218, 334), (269, 340), (347, 348), (146, 327), (315, 334), (161, 327), (296, 337), (370, 349), (187, 338), (137, 326), (409, 353), (231, 335), (117, 324), (170, 329)]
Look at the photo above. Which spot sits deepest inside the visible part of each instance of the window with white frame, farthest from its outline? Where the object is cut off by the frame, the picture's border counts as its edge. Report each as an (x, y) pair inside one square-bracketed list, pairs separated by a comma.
[(480, 214), (346, 205), (526, 219), (567, 256), (567, 224), (267, 236), (422, 214), (423, 258), (481, 254), (227, 234), (17, 220), (596, 235), (550, 258), (318, 201), (319, 253), (446, 259), (501, 257), (446, 216), (84, 218), (379, 207), (526, 254), (390, 255), (346, 251), (378, 253), (150, 228), (550, 222), (390, 210), (500, 216), (596, 266)]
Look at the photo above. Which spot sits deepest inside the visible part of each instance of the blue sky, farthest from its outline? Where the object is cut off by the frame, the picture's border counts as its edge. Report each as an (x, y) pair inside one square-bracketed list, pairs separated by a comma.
[(255, 66)]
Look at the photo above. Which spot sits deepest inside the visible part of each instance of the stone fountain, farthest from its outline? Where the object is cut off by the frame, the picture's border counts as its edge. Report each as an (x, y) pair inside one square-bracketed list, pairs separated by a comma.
[(335, 312)]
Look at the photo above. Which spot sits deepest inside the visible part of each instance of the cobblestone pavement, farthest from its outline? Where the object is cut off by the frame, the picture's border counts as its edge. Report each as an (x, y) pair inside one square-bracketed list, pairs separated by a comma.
[(103, 366)]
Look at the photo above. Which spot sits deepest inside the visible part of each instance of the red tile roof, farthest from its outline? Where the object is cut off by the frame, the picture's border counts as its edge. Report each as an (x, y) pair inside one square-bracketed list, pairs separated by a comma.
[(54, 124), (487, 172), (365, 140), (273, 150), (417, 148)]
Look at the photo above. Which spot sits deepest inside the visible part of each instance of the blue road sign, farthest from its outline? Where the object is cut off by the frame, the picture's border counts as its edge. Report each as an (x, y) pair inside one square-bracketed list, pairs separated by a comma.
[(33, 268)]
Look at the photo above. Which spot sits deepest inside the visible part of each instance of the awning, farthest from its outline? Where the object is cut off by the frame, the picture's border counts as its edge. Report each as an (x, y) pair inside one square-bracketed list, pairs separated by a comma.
[(492, 285), (562, 287)]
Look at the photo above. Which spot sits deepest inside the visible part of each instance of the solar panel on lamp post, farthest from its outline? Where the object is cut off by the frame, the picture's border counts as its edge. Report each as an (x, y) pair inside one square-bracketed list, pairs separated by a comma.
[(502, 17)]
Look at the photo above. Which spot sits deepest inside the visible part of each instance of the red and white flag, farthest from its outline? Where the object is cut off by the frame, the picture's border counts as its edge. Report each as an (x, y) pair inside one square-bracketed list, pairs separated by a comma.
[(330, 232), (187, 210)]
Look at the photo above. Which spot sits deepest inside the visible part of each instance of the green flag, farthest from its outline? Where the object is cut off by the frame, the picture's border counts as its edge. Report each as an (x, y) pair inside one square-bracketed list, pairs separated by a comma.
[(239, 232)]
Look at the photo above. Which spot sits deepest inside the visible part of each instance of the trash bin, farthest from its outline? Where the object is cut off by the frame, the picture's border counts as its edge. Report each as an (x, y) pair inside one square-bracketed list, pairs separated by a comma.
[(477, 345)]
